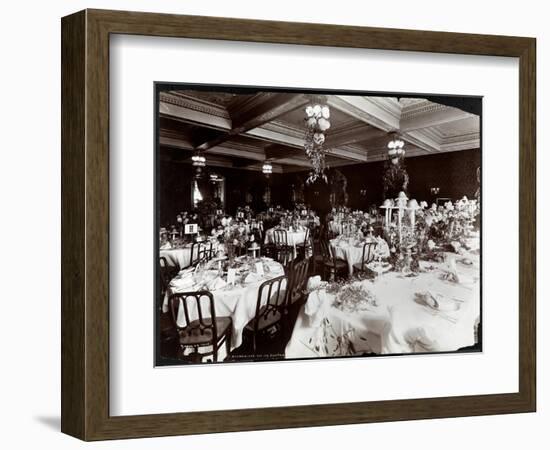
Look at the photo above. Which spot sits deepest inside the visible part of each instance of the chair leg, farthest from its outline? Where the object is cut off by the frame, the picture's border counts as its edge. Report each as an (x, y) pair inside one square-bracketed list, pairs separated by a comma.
[(228, 342), (254, 344)]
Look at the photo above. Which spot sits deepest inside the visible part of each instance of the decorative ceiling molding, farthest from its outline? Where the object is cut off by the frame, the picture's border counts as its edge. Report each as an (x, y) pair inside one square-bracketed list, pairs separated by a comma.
[(194, 104), (431, 115), (389, 104), (421, 140), (365, 110), (420, 107), (266, 125), (268, 109), (194, 116)]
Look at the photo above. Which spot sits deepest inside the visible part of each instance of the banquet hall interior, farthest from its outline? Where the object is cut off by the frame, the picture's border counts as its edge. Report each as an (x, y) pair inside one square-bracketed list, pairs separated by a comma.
[(297, 224)]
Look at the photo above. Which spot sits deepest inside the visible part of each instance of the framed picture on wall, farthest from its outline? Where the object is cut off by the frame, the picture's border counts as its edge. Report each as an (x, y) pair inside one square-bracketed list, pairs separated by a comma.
[(361, 271)]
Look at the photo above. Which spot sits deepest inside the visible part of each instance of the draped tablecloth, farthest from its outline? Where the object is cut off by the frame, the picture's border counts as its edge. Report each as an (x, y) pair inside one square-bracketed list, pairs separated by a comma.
[(294, 237), (237, 302), (399, 323), (181, 257), (350, 250), (177, 257)]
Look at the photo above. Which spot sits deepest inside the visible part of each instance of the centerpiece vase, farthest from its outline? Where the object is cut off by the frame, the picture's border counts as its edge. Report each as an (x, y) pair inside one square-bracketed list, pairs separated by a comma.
[(230, 248)]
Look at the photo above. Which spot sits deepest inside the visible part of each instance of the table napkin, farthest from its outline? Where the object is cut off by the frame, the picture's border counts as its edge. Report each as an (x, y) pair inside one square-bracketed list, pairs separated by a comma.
[(182, 284), (451, 272), (216, 283)]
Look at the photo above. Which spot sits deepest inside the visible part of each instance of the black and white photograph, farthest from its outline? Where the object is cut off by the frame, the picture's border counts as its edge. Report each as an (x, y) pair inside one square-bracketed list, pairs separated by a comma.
[(295, 224)]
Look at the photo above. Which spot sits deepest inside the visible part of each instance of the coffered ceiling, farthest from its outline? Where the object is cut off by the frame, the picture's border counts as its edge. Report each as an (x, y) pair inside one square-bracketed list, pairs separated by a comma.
[(244, 130)]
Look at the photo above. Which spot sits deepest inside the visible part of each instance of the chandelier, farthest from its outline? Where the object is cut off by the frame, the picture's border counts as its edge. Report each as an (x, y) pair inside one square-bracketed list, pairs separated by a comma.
[(198, 163), (198, 160), (267, 168), (317, 123), (395, 148), (214, 178)]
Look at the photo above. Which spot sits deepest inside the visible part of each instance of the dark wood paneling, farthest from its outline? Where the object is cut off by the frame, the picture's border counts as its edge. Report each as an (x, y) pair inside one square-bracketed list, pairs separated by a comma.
[(175, 181)]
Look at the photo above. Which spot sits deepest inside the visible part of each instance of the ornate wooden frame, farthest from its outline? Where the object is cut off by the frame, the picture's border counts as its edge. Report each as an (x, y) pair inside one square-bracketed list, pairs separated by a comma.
[(85, 224)]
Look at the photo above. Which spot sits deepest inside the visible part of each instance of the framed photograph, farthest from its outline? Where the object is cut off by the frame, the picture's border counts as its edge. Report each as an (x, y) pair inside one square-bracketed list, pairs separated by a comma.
[(357, 267)]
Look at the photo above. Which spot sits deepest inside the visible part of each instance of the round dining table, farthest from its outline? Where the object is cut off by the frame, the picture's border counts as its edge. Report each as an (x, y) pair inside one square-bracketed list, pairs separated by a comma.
[(350, 249), (237, 301), (294, 237), (181, 256), (177, 257)]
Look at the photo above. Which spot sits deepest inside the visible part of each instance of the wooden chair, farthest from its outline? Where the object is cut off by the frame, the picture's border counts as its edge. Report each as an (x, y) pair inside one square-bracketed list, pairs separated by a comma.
[(280, 237), (166, 273), (316, 266), (206, 330), (208, 252), (271, 309), (297, 281), (167, 334), (201, 251), (297, 292), (332, 265), (283, 251), (303, 250), (257, 229), (367, 256)]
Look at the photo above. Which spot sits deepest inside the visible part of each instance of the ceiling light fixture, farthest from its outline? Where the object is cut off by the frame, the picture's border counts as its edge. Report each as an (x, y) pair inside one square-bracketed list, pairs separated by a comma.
[(317, 124)]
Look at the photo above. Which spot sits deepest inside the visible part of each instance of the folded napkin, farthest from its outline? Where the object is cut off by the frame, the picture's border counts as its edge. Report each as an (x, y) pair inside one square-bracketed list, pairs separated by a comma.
[(436, 301), (216, 283), (316, 307), (451, 272), (166, 246), (316, 298), (183, 272), (182, 284), (313, 282)]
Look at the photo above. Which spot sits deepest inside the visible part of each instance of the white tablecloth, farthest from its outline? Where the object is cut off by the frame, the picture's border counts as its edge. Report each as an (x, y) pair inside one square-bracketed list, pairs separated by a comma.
[(350, 251), (294, 237), (181, 257), (177, 257), (237, 302), (398, 324)]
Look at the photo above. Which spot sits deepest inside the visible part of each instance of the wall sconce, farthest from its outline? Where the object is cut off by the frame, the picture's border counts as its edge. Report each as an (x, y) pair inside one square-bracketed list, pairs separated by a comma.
[(434, 190), (363, 192)]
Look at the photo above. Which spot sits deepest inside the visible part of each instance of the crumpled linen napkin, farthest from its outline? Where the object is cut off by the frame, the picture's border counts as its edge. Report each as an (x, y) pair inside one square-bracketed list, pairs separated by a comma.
[(317, 304), (451, 273), (216, 283), (436, 301), (182, 284)]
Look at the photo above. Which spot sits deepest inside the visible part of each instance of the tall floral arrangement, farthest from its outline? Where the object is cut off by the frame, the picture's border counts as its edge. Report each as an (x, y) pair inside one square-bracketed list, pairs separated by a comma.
[(317, 123), (235, 238)]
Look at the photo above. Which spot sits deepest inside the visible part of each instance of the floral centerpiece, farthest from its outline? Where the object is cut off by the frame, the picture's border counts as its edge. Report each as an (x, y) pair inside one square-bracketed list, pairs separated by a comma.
[(235, 238), (448, 226), (353, 297)]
